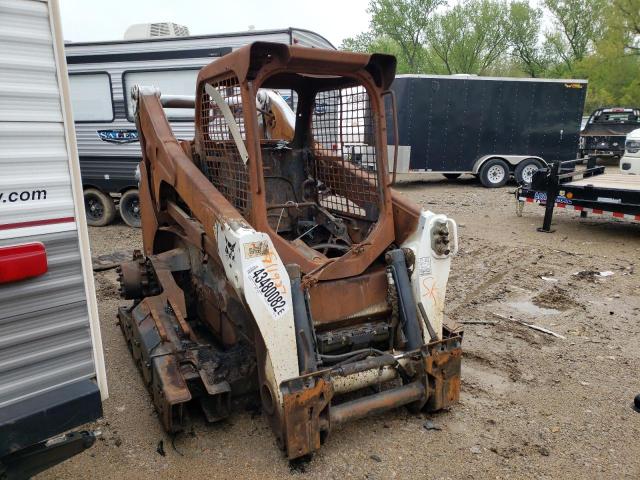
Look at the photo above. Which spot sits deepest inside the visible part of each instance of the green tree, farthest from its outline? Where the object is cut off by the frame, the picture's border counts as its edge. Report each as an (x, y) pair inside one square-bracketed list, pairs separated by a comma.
[(524, 38), (471, 36), (578, 25), (613, 68), (398, 27), (626, 14)]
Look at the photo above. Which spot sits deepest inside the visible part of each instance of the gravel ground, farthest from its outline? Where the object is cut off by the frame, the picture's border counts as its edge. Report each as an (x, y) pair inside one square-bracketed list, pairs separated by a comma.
[(532, 405)]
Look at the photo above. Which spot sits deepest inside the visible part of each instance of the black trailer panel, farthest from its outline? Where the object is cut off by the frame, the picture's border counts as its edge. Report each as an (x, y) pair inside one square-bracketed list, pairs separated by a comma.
[(450, 122), (110, 174)]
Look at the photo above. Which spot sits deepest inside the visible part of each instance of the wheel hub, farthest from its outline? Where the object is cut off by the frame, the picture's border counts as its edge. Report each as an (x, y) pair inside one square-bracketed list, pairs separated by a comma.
[(496, 174), (527, 173), (95, 209)]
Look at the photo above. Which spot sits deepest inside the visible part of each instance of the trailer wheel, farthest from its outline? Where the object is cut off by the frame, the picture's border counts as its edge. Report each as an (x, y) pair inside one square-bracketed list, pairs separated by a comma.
[(451, 176), (130, 208), (99, 208), (525, 170), (494, 173)]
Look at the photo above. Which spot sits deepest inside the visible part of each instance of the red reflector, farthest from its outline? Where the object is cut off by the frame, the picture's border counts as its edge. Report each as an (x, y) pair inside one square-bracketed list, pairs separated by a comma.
[(18, 262)]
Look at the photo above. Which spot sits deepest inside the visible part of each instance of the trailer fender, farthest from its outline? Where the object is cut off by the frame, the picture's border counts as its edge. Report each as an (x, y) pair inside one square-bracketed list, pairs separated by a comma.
[(512, 160), (258, 275)]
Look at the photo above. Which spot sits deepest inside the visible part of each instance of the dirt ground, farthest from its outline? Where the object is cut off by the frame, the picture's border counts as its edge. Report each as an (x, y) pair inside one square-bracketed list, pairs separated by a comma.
[(532, 405)]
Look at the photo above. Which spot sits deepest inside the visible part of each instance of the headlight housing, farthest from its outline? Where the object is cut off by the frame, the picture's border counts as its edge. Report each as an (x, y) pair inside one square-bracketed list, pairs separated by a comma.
[(632, 146)]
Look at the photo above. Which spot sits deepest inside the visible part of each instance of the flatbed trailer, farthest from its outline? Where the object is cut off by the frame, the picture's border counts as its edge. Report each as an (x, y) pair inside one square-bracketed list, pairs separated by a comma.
[(586, 190)]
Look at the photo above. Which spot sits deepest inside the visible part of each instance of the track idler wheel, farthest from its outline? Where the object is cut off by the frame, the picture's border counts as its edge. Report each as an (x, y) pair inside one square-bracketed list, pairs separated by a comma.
[(137, 279)]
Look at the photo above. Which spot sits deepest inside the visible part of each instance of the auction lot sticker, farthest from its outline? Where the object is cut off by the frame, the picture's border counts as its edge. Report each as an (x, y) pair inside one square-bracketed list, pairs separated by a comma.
[(269, 286)]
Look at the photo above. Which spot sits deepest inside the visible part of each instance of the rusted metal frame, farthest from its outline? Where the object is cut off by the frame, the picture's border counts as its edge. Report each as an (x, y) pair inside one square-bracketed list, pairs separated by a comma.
[(157, 362), (377, 403), (163, 273), (309, 415), (252, 133), (306, 419), (394, 115), (414, 356), (425, 360), (382, 235), (406, 216), (246, 61), (206, 203), (147, 210), (355, 173), (369, 363), (442, 365), (338, 303), (192, 229), (158, 323), (291, 205), (186, 329)]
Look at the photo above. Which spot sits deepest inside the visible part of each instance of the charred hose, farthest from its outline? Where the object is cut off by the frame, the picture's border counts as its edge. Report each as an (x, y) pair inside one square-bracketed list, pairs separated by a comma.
[(406, 304), (305, 346)]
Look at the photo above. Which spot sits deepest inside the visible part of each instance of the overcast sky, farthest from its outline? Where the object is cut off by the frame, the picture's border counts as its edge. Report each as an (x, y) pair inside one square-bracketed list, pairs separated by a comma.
[(90, 20)]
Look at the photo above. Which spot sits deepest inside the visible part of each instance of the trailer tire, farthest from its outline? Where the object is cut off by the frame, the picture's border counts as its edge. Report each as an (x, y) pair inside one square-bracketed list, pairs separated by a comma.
[(525, 170), (451, 176), (494, 173), (99, 208), (130, 208)]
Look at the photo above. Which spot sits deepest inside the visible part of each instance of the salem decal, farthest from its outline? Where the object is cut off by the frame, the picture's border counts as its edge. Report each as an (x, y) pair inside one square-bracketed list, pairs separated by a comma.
[(120, 135)]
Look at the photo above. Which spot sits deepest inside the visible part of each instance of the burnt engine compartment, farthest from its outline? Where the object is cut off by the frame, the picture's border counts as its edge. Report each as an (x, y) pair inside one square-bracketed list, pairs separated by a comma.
[(301, 207)]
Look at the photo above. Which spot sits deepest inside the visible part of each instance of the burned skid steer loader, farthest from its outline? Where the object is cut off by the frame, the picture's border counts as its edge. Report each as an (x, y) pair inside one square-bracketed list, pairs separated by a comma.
[(277, 259)]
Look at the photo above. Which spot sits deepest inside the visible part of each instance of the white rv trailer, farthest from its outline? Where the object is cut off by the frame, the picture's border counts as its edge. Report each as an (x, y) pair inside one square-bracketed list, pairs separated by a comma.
[(52, 373), (101, 76)]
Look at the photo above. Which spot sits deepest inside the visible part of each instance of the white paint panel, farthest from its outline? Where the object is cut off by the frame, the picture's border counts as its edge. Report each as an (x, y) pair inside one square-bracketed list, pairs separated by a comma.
[(34, 173), (45, 338), (28, 83), (91, 97), (49, 330)]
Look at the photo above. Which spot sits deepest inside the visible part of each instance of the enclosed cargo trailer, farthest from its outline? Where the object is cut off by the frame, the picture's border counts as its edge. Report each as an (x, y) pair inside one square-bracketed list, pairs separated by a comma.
[(490, 127), (52, 373)]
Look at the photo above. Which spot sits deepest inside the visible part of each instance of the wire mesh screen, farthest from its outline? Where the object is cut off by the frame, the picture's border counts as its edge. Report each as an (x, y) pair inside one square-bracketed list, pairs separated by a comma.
[(223, 164), (343, 128)]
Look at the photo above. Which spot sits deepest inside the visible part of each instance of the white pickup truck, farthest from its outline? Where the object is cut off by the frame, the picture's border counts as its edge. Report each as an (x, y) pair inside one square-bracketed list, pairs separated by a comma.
[(630, 161)]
